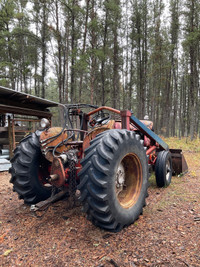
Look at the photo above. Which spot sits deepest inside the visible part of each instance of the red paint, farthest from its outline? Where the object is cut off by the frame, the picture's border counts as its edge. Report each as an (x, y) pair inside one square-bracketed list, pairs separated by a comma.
[(150, 150), (125, 114)]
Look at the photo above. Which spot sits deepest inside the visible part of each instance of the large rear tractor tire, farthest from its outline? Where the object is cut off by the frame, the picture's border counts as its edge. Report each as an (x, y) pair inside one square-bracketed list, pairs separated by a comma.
[(29, 170), (163, 169), (114, 179)]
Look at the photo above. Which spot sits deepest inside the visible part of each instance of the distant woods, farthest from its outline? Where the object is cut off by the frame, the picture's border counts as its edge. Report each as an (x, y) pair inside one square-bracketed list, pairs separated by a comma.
[(137, 55)]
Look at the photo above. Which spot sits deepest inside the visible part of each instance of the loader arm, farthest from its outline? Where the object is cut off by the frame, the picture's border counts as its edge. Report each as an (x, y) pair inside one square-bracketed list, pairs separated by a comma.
[(136, 122), (145, 130)]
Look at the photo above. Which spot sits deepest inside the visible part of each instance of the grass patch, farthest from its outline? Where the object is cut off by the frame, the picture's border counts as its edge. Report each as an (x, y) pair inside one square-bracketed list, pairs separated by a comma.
[(183, 143), (177, 197), (180, 188), (177, 193), (152, 180)]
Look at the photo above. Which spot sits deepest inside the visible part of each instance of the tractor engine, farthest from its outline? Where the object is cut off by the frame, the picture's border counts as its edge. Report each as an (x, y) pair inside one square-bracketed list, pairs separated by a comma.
[(64, 159)]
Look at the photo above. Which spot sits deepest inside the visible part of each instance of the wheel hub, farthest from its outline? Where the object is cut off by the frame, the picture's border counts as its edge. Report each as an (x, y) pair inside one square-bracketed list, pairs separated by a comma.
[(120, 178), (128, 180), (168, 171)]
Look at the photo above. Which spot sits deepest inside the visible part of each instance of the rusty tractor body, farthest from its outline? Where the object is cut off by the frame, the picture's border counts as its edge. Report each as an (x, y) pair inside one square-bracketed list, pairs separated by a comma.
[(103, 156)]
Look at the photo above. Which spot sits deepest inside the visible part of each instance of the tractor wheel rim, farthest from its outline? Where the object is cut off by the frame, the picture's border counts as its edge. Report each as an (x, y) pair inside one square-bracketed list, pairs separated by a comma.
[(120, 178), (128, 180)]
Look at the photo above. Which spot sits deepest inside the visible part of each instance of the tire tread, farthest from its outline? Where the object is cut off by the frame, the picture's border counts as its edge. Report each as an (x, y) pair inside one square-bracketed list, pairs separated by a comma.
[(21, 176), (95, 175)]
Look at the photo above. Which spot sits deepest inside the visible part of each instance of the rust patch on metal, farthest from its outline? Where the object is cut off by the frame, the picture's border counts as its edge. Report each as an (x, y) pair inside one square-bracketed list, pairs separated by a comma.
[(149, 124), (125, 115), (57, 173), (179, 164), (101, 108), (93, 133), (133, 179), (48, 142)]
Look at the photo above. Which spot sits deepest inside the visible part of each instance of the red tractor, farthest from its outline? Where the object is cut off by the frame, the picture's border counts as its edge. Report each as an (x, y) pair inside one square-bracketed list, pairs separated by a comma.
[(103, 155)]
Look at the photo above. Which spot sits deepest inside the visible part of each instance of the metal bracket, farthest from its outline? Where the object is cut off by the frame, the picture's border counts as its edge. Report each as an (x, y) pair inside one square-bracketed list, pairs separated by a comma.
[(48, 201)]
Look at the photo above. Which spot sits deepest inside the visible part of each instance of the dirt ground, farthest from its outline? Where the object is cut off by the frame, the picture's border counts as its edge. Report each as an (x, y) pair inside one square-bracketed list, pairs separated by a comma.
[(167, 234)]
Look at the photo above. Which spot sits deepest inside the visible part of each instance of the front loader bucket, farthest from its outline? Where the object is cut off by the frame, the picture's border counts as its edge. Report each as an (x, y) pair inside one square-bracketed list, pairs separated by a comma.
[(179, 163)]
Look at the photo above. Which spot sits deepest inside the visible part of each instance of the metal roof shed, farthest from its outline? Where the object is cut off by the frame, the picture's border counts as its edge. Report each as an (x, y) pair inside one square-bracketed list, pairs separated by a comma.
[(24, 104), (18, 103)]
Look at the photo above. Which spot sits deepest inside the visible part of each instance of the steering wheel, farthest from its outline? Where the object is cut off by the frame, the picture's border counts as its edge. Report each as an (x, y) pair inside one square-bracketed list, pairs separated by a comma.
[(99, 119)]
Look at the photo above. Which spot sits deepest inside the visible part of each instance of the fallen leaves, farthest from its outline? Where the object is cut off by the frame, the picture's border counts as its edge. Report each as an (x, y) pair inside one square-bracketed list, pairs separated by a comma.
[(167, 231), (2, 237), (7, 252)]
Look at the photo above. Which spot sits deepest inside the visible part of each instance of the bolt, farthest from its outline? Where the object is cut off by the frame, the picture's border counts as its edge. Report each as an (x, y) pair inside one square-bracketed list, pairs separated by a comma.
[(78, 193), (53, 177)]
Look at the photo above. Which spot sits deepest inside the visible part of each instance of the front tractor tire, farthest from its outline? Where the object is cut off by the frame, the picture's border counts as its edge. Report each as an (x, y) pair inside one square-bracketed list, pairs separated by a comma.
[(114, 179), (163, 169), (29, 170)]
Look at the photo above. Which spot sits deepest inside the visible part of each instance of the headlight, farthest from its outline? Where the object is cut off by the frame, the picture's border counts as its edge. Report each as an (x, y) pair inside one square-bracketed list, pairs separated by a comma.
[(44, 123)]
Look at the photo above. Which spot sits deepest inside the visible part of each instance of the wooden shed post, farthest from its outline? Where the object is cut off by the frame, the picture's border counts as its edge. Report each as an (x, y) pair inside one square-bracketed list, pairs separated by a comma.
[(10, 137)]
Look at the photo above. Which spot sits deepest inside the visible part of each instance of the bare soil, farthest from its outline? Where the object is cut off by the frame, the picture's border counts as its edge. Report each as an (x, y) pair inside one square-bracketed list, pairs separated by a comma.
[(167, 234)]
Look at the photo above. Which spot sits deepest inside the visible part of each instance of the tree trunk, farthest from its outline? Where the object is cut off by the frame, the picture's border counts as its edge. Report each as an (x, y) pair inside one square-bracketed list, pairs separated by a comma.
[(44, 47)]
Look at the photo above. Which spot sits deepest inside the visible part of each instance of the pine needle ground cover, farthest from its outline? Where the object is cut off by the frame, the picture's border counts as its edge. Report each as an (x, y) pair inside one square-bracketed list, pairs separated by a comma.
[(167, 234)]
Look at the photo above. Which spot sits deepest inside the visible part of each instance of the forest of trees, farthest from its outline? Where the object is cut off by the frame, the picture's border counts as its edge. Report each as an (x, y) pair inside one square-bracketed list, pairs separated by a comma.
[(142, 55)]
